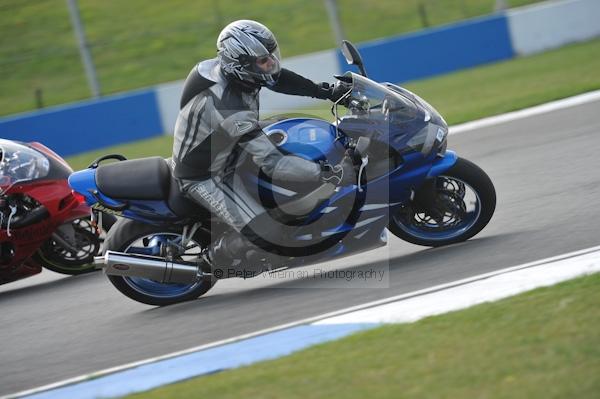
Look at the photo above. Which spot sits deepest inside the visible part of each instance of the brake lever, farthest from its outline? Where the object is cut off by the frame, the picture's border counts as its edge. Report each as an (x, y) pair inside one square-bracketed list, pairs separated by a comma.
[(13, 210), (363, 163)]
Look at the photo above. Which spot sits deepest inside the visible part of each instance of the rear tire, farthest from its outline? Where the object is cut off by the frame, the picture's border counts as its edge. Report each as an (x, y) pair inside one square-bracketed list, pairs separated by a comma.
[(121, 237), (410, 223)]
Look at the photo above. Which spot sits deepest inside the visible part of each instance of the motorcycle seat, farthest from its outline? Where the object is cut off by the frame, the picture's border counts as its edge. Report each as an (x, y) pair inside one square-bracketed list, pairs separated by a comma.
[(145, 179), (140, 179)]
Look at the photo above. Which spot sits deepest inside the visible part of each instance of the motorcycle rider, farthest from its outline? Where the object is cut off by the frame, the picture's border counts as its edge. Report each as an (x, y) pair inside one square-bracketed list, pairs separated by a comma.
[(217, 127)]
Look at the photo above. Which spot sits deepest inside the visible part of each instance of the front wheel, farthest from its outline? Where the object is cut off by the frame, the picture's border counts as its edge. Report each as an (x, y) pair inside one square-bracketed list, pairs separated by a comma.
[(72, 247), (133, 237), (464, 200)]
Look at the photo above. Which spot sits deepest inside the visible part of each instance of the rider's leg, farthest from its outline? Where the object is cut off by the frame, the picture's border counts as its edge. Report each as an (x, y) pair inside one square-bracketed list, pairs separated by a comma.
[(238, 209)]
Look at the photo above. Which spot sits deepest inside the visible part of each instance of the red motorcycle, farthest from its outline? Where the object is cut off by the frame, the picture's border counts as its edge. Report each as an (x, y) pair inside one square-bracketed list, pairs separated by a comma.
[(43, 223)]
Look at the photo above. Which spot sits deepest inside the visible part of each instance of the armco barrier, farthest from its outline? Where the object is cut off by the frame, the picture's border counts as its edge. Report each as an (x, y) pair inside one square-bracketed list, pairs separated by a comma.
[(438, 50), (88, 125), (113, 120)]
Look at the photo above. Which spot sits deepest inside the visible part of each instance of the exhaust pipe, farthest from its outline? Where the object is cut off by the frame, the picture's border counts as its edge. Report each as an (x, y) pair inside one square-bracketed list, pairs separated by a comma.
[(151, 267)]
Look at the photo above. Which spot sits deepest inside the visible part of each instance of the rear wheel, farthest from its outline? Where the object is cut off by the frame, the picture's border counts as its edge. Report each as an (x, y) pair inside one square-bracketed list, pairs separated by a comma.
[(133, 237), (463, 204)]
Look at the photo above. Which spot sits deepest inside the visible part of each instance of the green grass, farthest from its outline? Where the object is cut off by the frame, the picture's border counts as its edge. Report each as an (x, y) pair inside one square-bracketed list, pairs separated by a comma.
[(161, 146), (541, 344), (514, 84), (465, 95), (137, 43)]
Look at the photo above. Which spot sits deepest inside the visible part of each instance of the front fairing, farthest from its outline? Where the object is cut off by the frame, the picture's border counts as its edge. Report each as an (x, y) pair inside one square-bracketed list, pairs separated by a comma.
[(19, 163), (394, 117)]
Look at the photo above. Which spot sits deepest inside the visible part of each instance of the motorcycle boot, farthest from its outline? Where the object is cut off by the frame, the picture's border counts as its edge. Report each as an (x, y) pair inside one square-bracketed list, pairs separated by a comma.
[(232, 255)]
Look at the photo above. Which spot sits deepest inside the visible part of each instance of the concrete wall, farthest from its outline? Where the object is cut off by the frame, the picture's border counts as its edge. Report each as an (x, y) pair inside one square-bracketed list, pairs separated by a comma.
[(538, 28), (88, 125)]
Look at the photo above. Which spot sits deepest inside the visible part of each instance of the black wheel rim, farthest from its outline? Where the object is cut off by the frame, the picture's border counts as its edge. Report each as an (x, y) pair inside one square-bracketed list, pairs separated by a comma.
[(456, 209)]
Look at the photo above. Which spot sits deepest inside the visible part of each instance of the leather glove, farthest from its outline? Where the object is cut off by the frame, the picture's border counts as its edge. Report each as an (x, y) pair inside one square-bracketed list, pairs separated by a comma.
[(342, 174), (333, 92)]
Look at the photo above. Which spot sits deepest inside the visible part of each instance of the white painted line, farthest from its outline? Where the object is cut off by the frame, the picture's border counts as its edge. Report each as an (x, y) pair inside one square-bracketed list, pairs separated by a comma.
[(464, 296), (527, 112), (310, 320)]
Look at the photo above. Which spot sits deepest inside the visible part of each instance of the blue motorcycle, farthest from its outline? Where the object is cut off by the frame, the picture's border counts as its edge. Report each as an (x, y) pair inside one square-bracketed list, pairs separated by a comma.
[(407, 183)]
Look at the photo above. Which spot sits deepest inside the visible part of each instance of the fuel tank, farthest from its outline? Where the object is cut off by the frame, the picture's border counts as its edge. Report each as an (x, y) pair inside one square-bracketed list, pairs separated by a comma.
[(309, 138)]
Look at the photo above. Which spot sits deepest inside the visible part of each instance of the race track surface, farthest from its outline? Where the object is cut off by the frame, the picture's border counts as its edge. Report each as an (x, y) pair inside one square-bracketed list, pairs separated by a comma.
[(547, 177)]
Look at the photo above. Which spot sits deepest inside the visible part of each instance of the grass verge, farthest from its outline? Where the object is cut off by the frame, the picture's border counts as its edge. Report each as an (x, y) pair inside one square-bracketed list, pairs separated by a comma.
[(462, 96), (138, 43), (540, 344), (514, 84)]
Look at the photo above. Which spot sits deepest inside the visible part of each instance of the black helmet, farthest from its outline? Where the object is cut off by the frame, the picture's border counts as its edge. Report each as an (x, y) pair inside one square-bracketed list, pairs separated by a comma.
[(248, 51)]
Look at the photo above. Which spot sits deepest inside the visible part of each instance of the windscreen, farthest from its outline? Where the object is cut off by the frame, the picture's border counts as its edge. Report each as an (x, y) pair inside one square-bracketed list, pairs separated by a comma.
[(392, 115), (369, 99), (19, 163)]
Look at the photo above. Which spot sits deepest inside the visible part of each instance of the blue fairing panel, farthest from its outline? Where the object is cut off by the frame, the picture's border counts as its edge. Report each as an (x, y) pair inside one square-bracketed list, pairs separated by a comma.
[(82, 182), (440, 165)]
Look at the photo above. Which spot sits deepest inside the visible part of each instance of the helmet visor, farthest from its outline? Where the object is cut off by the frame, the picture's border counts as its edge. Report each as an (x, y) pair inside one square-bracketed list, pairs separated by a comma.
[(268, 64)]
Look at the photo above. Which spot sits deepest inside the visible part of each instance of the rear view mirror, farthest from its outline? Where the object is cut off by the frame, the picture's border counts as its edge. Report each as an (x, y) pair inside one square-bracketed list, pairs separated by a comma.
[(353, 56)]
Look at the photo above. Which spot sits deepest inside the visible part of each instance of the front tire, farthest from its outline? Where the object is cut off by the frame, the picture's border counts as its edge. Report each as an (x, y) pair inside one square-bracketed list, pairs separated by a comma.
[(464, 204), (53, 256), (130, 236)]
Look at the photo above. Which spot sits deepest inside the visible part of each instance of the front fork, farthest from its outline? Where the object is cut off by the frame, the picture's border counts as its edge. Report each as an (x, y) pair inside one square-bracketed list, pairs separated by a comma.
[(424, 197)]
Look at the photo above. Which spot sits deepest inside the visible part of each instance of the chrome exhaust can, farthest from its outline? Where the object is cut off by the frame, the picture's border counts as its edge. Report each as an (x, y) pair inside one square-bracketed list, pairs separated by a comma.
[(151, 267)]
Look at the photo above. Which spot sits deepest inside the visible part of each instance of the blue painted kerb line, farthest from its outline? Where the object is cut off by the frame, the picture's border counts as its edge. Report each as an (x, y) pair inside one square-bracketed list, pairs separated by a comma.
[(228, 356)]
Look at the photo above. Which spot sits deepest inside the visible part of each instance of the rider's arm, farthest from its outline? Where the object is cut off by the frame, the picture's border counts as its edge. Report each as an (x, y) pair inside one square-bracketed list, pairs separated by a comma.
[(291, 83), (276, 165), (243, 127)]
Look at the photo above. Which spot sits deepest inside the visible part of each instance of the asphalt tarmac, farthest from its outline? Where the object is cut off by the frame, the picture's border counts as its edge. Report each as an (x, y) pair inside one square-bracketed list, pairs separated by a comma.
[(546, 170)]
